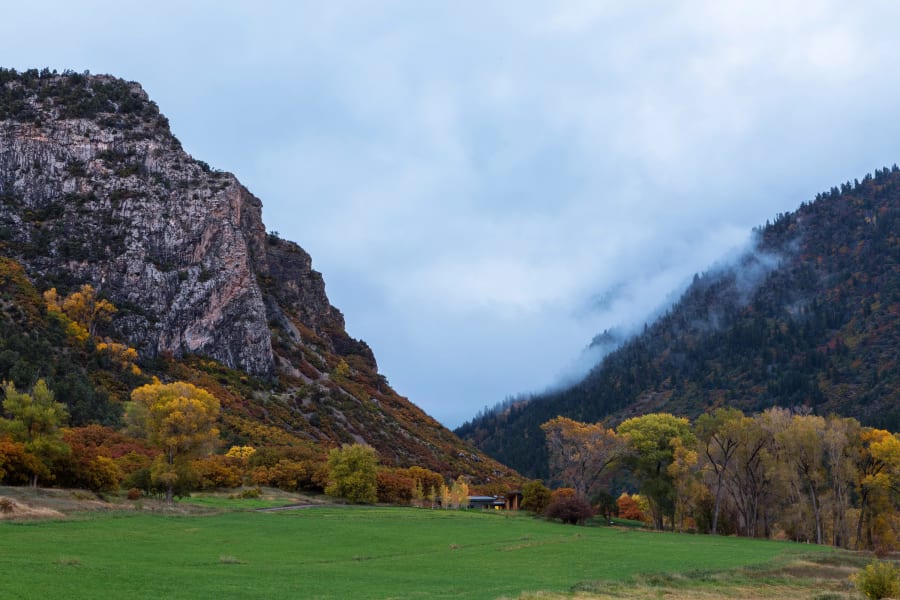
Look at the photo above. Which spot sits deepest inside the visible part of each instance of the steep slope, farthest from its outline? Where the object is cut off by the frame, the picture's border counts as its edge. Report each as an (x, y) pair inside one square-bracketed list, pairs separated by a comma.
[(810, 318), (95, 189)]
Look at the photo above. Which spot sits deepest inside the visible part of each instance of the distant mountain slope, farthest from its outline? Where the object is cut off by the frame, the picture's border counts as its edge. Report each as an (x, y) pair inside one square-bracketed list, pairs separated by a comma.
[(95, 189), (811, 317)]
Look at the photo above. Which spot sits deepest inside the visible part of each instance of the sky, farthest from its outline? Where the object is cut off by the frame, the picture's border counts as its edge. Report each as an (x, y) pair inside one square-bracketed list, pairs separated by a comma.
[(484, 185)]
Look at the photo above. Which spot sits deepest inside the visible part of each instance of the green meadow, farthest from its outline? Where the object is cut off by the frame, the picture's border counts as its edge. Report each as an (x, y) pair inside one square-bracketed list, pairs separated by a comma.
[(346, 552)]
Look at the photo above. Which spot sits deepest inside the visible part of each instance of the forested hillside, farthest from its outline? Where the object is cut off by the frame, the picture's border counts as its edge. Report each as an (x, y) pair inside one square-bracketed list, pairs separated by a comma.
[(810, 317)]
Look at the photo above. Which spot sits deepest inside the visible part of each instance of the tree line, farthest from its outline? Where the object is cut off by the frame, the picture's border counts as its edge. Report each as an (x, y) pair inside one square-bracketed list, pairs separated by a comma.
[(778, 473)]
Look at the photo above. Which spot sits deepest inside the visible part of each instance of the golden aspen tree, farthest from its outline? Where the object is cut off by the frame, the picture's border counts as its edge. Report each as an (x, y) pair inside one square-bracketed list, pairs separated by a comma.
[(459, 493), (179, 419), (353, 473)]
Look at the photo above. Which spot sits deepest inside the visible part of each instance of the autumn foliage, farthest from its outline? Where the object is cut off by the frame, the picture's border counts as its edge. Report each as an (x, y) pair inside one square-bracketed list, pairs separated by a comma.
[(777, 474), (569, 508), (179, 419), (353, 474), (628, 507), (395, 487)]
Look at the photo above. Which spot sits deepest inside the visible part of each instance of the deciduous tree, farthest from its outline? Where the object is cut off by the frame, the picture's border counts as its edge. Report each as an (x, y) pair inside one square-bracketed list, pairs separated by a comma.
[(353, 473), (178, 418), (459, 492), (842, 449), (719, 434), (748, 481), (649, 439), (802, 446), (535, 497), (35, 420), (878, 481), (581, 453), (83, 307)]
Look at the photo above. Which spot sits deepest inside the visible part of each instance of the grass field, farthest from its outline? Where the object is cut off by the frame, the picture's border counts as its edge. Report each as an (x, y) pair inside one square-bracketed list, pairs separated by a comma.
[(344, 552)]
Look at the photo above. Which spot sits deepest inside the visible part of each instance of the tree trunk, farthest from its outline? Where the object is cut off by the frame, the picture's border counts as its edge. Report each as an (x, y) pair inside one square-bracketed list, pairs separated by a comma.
[(817, 512), (864, 497), (715, 519)]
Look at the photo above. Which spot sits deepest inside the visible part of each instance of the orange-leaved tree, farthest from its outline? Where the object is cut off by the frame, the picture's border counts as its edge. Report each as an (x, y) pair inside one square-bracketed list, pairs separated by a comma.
[(581, 453), (178, 418)]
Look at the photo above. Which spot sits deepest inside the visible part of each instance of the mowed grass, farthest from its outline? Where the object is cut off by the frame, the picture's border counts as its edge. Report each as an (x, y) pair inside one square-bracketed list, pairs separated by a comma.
[(344, 552)]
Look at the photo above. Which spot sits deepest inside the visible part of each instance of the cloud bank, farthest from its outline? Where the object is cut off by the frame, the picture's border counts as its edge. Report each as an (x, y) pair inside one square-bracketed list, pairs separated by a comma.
[(486, 186)]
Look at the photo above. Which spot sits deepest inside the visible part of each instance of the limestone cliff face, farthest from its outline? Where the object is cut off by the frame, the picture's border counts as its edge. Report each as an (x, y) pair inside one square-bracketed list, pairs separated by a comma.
[(94, 188), (106, 195)]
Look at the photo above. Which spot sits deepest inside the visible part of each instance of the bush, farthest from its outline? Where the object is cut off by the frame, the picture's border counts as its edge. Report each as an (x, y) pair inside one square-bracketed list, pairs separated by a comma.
[(569, 509), (135, 494), (218, 471), (394, 488), (250, 493), (535, 497), (628, 507), (605, 503), (878, 580)]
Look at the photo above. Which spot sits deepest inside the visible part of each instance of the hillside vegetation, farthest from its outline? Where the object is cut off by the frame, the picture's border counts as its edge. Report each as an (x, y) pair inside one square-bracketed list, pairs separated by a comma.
[(809, 318)]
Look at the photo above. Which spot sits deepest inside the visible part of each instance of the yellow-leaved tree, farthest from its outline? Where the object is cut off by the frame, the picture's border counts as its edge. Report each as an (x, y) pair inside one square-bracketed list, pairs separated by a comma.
[(179, 419), (459, 493), (353, 473), (83, 307)]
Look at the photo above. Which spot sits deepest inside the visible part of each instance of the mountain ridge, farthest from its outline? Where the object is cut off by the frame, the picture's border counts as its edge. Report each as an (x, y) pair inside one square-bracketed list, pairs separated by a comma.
[(95, 189), (819, 329)]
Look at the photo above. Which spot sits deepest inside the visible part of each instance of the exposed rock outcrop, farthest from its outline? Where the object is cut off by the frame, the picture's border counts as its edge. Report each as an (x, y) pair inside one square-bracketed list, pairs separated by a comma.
[(112, 199)]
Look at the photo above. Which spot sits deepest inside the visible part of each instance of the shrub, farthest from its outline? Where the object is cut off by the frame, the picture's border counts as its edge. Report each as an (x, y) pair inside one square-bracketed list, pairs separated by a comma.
[(394, 488), (629, 508), (250, 493), (135, 494), (6, 505), (19, 465), (569, 509), (535, 497), (605, 504), (878, 580), (561, 493), (218, 471)]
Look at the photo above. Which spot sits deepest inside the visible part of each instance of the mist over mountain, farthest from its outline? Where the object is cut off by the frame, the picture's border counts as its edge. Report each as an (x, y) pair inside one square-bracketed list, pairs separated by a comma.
[(808, 317)]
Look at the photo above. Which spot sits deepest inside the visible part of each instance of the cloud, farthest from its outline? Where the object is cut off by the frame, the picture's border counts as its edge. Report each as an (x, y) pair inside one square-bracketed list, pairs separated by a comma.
[(469, 177)]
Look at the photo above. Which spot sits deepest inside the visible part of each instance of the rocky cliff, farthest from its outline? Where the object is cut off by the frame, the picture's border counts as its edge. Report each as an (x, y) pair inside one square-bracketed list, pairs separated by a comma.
[(94, 188)]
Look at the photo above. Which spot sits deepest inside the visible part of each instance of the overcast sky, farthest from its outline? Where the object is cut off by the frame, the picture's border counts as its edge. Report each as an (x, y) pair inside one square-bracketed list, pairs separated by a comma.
[(487, 185)]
